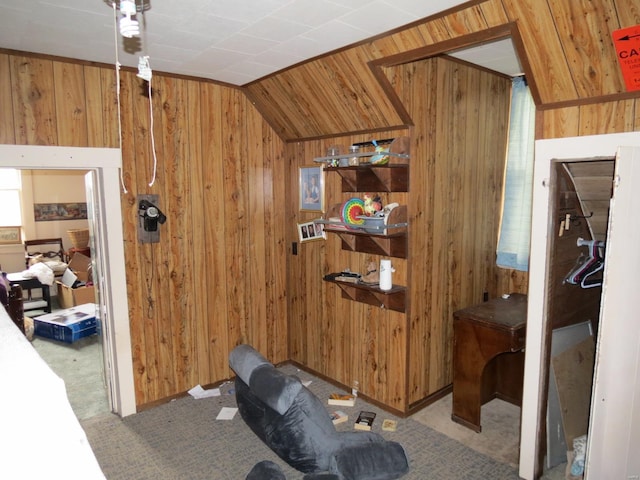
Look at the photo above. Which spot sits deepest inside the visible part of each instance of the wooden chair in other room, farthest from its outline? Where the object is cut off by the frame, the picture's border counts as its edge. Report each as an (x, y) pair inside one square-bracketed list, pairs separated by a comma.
[(50, 249), (34, 248)]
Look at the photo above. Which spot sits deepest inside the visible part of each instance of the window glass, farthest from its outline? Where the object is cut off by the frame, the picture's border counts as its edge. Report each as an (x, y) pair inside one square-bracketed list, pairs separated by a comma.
[(10, 186)]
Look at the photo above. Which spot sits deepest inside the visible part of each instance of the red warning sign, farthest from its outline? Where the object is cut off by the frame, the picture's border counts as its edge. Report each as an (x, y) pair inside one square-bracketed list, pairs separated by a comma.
[(627, 42)]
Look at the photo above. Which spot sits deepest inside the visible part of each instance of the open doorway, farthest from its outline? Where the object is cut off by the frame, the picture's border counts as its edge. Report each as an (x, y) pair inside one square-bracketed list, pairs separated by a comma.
[(54, 205), (113, 306)]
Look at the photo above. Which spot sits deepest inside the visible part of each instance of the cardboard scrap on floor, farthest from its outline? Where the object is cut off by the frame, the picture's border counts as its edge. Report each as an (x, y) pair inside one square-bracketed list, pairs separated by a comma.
[(573, 371)]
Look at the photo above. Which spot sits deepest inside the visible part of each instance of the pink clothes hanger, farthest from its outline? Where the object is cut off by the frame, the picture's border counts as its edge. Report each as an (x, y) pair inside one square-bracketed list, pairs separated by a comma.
[(587, 265)]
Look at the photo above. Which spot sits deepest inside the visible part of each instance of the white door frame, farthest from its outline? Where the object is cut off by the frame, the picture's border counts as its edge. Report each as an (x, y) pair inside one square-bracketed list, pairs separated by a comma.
[(106, 162), (614, 428), (545, 152)]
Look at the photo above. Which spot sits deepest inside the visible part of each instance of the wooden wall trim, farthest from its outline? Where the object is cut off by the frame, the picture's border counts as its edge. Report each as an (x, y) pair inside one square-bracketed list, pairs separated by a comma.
[(422, 53), (590, 101)]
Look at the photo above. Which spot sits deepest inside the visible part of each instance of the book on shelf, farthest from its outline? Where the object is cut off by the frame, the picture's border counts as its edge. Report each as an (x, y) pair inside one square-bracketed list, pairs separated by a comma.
[(365, 420), (343, 278), (344, 399), (389, 425), (339, 417)]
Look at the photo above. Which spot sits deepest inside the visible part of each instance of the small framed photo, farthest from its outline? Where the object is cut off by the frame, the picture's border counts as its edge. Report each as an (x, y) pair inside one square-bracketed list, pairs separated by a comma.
[(10, 235), (311, 231), (311, 189)]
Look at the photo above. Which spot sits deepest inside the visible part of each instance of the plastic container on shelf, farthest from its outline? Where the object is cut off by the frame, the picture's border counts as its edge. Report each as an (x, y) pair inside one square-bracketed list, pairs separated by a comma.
[(355, 160)]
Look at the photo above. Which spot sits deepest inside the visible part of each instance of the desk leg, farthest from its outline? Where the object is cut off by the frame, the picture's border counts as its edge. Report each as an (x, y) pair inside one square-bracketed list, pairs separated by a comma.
[(474, 348), (46, 296), (467, 401)]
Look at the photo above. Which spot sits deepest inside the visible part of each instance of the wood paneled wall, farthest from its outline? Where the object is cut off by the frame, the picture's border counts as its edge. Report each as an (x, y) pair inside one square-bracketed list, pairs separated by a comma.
[(222, 272), (460, 117), (340, 339), (218, 275), (565, 47)]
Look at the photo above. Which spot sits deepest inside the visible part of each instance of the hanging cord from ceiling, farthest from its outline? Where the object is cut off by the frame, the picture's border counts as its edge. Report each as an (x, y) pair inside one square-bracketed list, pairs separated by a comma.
[(115, 34), (145, 72), (149, 280), (153, 142)]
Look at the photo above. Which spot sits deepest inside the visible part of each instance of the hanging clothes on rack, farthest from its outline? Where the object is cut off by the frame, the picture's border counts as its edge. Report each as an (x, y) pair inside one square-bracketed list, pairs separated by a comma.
[(587, 265)]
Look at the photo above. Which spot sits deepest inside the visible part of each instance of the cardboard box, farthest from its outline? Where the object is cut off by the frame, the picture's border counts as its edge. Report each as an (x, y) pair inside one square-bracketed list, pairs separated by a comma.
[(78, 269), (70, 297), (68, 325), (79, 265)]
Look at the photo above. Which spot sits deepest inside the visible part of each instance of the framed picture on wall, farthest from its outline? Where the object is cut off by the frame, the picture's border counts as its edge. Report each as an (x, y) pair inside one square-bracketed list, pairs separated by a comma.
[(311, 231), (10, 235), (47, 212), (311, 188)]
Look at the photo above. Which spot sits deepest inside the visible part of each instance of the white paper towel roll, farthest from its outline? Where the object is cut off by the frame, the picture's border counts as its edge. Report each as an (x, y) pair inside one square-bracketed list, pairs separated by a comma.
[(385, 275)]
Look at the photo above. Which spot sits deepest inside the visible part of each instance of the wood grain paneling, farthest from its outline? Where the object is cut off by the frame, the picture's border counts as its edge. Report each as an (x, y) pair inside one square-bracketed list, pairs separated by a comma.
[(33, 101), (223, 272), (565, 47), (211, 281), (70, 106), (7, 127), (593, 59), (457, 159), (218, 275)]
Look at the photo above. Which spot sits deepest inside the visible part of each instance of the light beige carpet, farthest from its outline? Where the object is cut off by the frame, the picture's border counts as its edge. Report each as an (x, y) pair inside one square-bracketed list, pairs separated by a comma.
[(500, 436)]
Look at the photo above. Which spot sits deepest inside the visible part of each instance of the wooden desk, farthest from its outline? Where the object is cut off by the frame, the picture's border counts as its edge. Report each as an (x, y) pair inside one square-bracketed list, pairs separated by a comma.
[(488, 356)]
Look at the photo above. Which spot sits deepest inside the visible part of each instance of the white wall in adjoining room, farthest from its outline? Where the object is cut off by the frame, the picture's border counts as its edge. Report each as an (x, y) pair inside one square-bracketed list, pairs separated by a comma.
[(52, 186)]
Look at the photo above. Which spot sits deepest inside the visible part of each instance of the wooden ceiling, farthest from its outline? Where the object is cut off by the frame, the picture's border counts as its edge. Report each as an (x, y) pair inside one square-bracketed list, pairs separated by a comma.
[(565, 47), (593, 181)]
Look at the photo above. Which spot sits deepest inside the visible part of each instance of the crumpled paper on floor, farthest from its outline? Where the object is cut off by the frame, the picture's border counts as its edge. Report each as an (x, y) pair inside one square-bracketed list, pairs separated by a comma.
[(199, 392)]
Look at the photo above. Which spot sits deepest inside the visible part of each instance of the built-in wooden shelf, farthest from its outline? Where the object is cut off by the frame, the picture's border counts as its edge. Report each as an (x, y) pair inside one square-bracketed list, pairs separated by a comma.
[(391, 241), (386, 239), (394, 245), (394, 299), (374, 178)]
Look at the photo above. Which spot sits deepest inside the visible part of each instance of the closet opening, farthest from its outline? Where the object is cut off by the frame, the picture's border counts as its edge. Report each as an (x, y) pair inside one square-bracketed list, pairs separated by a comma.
[(580, 193)]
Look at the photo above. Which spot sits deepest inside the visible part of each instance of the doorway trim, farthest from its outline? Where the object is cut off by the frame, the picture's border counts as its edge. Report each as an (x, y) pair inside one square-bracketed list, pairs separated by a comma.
[(106, 162), (546, 151)]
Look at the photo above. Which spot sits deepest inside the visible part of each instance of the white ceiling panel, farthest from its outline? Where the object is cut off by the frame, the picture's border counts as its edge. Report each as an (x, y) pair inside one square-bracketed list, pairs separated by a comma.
[(232, 41)]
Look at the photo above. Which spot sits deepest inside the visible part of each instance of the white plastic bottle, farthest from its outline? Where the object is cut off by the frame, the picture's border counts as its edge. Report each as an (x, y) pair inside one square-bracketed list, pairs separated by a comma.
[(385, 275)]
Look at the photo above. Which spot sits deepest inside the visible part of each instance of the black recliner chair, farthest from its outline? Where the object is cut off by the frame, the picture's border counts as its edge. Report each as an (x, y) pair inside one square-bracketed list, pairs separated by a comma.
[(293, 422)]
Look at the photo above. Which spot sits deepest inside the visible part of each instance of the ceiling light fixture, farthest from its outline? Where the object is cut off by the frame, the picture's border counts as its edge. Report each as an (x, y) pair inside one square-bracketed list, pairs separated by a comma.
[(129, 27)]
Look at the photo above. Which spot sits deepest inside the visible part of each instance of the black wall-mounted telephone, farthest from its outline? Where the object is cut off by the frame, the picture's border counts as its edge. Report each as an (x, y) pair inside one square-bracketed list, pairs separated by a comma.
[(151, 215)]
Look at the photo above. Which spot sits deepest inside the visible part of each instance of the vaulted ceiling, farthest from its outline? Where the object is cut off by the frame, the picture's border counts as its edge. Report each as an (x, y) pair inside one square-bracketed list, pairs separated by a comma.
[(565, 47)]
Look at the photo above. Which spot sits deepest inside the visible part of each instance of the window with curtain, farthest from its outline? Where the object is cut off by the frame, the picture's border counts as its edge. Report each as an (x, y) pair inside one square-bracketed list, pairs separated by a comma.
[(515, 227), (10, 186)]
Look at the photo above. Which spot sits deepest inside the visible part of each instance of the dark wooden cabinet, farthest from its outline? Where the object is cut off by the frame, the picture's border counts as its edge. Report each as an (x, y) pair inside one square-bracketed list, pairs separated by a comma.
[(488, 356)]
